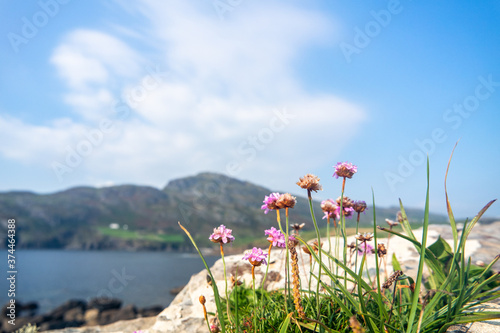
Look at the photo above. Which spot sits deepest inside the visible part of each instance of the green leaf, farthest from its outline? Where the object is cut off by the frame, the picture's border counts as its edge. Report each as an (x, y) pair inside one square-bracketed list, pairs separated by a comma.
[(443, 252), (285, 323)]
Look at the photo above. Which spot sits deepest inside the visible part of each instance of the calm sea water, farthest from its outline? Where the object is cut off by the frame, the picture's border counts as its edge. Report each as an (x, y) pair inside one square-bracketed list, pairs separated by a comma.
[(51, 277)]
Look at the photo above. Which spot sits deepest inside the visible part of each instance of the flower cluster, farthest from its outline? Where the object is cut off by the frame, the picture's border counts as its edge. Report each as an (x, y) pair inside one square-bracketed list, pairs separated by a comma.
[(270, 202), (221, 235), (359, 206), (278, 201), (276, 237), (345, 170), (310, 183), (256, 257)]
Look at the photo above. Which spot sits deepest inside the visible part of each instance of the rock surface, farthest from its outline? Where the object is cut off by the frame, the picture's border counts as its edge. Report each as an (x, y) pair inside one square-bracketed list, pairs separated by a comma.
[(185, 314)]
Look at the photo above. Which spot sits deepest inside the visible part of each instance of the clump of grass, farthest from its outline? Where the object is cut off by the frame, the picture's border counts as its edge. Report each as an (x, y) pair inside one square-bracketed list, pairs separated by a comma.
[(345, 297)]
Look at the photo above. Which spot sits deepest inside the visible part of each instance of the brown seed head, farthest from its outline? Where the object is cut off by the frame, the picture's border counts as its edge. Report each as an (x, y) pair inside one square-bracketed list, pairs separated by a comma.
[(310, 183), (202, 300), (296, 227), (391, 223), (234, 282), (347, 202), (394, 276), (399, 217), (329, 206), (286, 201), (209, 280), (359, 206), (381, 250), (365, 237)]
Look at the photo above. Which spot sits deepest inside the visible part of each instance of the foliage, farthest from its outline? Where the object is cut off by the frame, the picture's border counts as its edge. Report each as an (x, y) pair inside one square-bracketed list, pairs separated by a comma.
[(401, 304)]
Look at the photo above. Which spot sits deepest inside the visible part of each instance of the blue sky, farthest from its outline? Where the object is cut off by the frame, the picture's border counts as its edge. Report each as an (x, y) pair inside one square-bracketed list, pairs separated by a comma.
[(103, 93)]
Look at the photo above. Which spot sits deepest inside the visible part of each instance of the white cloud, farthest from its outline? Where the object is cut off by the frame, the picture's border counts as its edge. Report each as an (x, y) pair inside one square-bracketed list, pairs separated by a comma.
[(228, 83)]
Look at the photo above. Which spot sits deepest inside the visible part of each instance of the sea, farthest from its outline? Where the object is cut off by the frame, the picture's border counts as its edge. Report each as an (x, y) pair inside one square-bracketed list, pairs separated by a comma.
[(52, 277)]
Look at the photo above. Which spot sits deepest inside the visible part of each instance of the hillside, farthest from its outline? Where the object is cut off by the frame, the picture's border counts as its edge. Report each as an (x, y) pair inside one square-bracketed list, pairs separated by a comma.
[(143, 217)]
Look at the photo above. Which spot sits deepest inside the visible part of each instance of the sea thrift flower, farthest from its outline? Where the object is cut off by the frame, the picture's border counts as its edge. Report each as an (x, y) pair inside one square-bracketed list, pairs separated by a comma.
[(345, 170), (365, 248), (330, 208), (276, 237), (359, 206), (221, 235), (310, 183), (256, 257), (286, 201), (346, 202), (270, 202), (214, 328)]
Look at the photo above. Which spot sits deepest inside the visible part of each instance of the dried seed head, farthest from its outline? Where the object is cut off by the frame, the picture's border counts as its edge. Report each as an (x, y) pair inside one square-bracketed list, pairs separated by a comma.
[(359, 206), (209, 280), (234, 282), (381, 250), (346, 202), (391, 223), (310, 183), (286, 201), (394, 276), (329, 206), (202, 300), (296, 227), (399, 217), (365, 237)]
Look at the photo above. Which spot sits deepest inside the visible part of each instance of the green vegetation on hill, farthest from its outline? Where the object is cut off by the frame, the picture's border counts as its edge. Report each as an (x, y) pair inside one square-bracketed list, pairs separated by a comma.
[(80, 217)]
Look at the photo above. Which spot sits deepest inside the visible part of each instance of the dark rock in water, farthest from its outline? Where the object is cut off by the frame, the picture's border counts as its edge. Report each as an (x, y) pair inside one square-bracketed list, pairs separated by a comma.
[(59, 312), (111, 316), (150, 311), (76, 313), (103, 304)]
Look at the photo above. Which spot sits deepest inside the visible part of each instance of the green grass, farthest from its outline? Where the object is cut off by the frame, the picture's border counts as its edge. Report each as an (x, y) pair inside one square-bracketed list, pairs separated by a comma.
[(136, 235)]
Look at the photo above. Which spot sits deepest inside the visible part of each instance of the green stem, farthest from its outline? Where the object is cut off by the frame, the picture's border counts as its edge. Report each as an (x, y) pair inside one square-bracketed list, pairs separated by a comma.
[(319, 250), (286, 258), (267, 266), (254, 301), (329, 247), (225, 280)]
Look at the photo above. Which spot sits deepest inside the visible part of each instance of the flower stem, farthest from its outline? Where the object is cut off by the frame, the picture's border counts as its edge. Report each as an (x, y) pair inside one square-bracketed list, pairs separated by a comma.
[(319, 250), (254, 300), (286, 259), (225, 280), (267, 266)]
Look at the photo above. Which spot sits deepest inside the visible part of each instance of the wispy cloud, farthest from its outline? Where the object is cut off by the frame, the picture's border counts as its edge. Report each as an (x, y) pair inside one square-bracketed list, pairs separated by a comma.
[(225, 94)]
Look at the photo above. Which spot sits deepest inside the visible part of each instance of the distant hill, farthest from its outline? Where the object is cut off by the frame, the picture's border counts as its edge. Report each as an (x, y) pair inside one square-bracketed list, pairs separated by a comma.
[(142, 217)]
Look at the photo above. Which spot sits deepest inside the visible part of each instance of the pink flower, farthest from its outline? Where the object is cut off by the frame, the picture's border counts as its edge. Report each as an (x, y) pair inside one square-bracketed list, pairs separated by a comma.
[(222, 235), (344, 169), (256, 257), (270, 202), (276, 237), (365, 248)]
